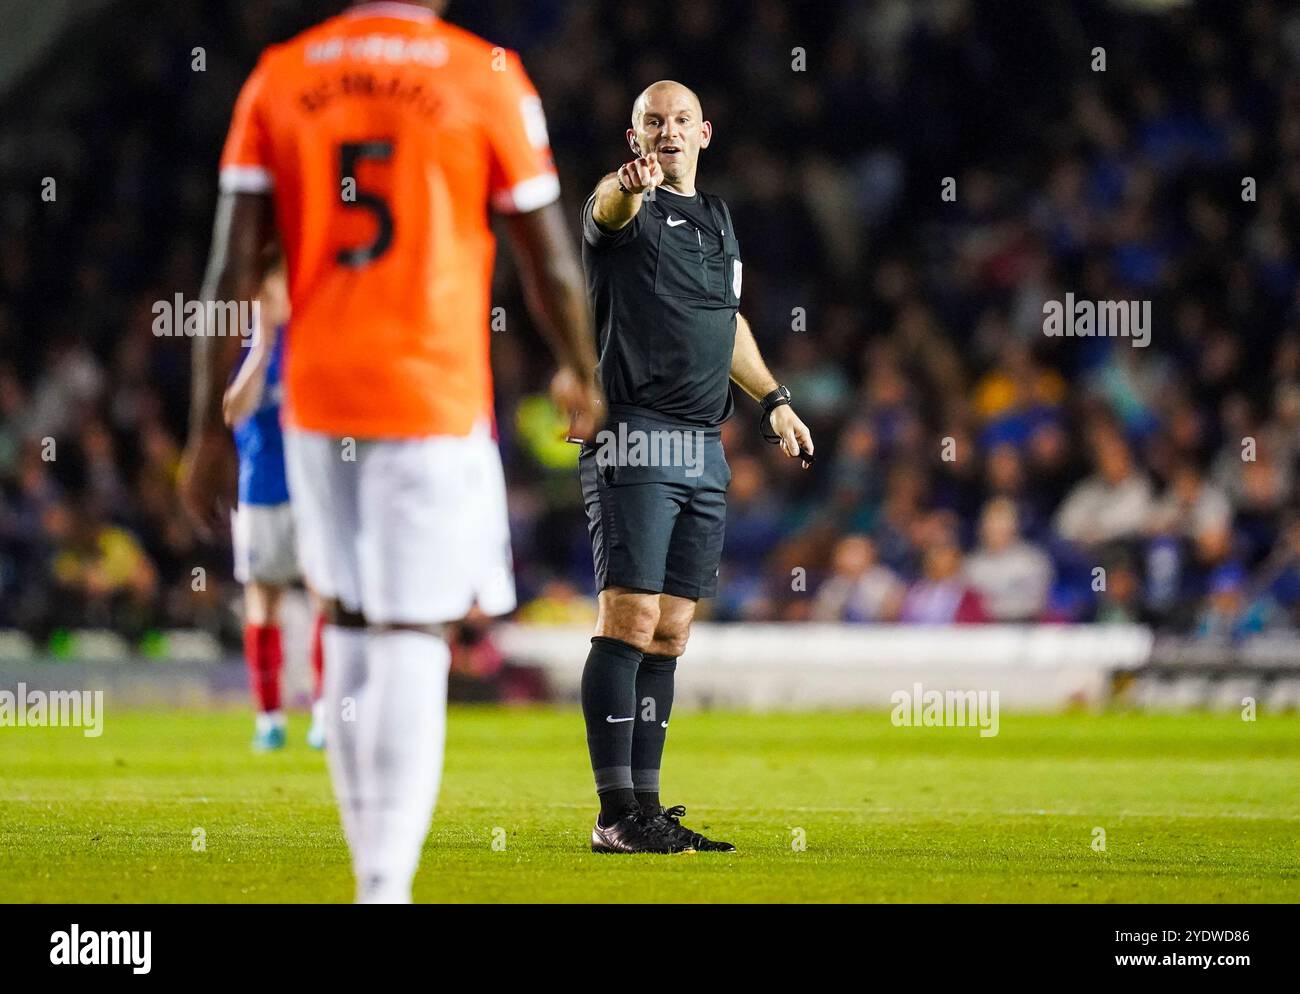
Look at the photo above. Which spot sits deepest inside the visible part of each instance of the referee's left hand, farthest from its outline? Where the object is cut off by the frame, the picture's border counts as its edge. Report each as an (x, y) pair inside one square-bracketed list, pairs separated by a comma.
[(795, 437)]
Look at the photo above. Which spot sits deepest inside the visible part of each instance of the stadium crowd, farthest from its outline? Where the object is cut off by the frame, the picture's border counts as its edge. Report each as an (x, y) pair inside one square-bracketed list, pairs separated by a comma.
[(970, 468)]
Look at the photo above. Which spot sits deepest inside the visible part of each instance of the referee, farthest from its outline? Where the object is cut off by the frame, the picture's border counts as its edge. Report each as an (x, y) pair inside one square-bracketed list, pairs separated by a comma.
[(664, 276)]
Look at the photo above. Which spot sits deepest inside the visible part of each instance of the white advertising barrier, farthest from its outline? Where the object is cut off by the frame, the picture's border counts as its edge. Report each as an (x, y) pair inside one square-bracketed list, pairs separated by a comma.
[(794, 666)]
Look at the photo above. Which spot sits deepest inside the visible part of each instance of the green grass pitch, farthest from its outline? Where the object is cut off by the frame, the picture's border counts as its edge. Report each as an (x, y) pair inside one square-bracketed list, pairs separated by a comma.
[(1194, 808)]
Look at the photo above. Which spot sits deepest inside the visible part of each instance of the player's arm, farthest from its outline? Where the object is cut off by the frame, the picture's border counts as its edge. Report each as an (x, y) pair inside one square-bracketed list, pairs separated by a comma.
[(244, 394), (750, 373), (557, 299), (616, 204), (525, 188), (241, 236)]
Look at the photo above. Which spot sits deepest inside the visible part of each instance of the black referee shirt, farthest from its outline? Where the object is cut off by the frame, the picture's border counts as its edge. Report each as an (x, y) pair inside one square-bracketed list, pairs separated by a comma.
[(665, 290)]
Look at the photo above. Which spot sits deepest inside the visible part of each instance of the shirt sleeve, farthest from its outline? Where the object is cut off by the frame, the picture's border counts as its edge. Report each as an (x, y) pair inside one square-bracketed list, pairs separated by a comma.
[(598, 237), (246, 159), (523, 176)]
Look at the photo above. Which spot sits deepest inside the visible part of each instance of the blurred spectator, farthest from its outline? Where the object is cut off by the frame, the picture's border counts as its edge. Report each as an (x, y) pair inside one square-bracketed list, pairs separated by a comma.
[(859, 588), (1012, 576), (1112, 503), (1196, 510), (820, 383), (1229, 613), (101, 573), (942, 596), (1120, 596), (1279, 577), (854, 482), (1004, 477), (1016, 396)]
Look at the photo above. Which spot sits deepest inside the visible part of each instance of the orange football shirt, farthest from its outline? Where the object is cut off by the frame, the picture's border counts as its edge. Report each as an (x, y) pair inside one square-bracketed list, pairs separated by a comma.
[(383, 135)]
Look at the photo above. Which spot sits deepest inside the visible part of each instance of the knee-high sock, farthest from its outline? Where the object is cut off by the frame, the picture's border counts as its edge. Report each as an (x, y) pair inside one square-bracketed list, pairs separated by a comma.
[(402, 721), (345, 688), (609, 707), (654, 696), (264, 654)]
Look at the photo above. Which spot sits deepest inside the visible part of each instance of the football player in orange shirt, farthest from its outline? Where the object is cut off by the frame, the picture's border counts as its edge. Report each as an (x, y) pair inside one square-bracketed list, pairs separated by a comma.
[(373, 145)]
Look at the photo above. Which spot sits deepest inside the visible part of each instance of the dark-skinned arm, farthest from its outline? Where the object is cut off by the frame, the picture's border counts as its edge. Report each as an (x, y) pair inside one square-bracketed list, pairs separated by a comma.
[(557, 299), (241, 234)]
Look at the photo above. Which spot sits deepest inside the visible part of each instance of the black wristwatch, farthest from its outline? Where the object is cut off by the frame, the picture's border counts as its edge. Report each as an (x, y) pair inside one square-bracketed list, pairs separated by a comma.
[(779, 396)]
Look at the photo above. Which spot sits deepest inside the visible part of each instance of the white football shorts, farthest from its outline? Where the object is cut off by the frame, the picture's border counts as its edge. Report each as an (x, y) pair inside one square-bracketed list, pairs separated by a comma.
[(263, 540), (406, 531)]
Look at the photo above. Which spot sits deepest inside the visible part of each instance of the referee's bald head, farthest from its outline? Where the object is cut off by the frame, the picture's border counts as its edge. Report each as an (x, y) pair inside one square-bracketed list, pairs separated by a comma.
[(668, 88), (667, 119)]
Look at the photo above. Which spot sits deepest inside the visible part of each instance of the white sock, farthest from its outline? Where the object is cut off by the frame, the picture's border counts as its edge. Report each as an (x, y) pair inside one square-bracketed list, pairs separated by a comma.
[(402, 728), (267, 720), (341, 696)]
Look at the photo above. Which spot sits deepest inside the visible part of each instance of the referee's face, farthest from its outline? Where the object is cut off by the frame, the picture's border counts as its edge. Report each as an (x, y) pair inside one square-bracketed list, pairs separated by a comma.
[(668, 120)]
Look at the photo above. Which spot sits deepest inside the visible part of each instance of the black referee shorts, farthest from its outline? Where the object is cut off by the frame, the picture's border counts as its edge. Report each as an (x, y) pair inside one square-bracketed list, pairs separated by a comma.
[(656, 498)]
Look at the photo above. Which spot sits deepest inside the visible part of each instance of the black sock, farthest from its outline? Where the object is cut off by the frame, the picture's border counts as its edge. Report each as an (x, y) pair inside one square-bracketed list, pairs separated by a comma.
[(654, 695), (614, 804), (609, 707)]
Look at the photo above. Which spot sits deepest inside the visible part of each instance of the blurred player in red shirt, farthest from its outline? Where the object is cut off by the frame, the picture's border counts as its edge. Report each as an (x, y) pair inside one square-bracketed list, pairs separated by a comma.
[(373, 146)]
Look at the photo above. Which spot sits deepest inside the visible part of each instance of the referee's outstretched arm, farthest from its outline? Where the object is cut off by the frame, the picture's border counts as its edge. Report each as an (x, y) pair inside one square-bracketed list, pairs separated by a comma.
[(618, 195), (751, 374)]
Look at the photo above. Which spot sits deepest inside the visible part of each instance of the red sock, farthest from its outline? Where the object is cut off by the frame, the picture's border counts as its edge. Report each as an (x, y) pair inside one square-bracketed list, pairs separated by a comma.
[(317, 656), (265, 656)]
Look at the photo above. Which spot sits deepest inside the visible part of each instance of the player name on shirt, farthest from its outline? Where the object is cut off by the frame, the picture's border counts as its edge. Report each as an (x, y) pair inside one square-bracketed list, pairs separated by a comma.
[(390, 49), (364, 83)]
